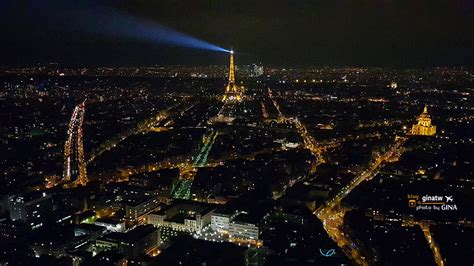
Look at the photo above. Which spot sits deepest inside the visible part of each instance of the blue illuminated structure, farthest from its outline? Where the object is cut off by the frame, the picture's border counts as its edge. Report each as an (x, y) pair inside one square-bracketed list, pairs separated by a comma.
[(327, 253)]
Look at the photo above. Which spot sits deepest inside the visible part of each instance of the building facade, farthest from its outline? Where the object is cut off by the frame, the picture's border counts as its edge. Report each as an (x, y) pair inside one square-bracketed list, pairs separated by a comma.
[(32, 208), (424, 127), (185, 216), (137, 208), (244, 227)]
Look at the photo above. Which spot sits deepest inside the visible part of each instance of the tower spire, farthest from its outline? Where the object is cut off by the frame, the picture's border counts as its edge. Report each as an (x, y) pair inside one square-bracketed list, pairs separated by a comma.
[(231, 68)]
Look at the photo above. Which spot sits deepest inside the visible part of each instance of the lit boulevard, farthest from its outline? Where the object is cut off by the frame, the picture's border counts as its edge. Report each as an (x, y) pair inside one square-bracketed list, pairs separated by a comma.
[(74, 163), (332, 214), (432, 243), (147, 125), (187, 172)]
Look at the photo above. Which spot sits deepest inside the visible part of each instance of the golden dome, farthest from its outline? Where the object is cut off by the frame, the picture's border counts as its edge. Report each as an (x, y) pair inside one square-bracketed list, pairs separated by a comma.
[(424, 126)]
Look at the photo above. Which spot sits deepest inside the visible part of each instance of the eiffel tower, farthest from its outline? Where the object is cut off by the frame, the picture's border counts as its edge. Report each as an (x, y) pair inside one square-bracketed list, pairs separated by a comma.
[(232, 92)]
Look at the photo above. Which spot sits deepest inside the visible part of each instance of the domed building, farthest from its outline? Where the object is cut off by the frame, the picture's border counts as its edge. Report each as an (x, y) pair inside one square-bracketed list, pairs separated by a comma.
[(424, 126)]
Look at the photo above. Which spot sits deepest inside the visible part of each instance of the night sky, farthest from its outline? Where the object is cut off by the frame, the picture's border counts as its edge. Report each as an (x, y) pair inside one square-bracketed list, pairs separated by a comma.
[(405, 33)]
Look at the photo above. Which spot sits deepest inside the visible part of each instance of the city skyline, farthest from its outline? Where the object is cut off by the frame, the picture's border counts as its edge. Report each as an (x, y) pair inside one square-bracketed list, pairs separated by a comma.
[(235, 157)]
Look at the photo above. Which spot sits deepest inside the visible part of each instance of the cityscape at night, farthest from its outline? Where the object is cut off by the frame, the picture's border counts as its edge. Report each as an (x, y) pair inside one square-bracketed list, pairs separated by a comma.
[(213, 133)]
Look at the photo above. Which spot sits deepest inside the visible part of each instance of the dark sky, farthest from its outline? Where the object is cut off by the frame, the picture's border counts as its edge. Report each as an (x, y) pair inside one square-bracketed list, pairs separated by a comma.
[(396, 33)]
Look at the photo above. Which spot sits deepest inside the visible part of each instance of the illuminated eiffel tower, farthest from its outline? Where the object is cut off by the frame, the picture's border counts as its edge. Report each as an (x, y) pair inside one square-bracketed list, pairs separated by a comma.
[(232, 92)]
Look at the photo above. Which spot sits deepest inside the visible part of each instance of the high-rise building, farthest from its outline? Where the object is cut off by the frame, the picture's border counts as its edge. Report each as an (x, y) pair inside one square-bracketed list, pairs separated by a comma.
[(32, 208), (13, 230), (257, 70), (232, 91), (424, 126)]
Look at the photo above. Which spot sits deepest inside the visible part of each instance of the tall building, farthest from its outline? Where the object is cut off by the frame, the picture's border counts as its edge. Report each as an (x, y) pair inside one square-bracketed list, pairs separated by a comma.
[(257, 70), (253, 70), (232, 91), (32, 208), (13, 230), (424, 126)]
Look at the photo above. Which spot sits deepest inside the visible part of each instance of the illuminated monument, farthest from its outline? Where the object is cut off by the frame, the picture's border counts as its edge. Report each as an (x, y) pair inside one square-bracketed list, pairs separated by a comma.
[(424, 126), (232, 92), (232, 95)]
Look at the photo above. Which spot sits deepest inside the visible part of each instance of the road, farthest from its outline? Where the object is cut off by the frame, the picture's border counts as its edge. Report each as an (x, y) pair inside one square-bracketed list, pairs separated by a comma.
[(188, 172), (392, 155), (425, 227), (332, 214), (149, 124), (308, 140)]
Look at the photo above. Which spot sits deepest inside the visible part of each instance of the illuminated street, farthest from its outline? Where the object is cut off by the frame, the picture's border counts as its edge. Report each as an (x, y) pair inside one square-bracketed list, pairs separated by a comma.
[(332, 214), (432, 243), (236, 133)]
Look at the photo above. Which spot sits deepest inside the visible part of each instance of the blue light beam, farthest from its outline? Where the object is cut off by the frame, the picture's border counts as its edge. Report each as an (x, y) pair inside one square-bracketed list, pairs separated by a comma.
[(140, 29), (86, 16)]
